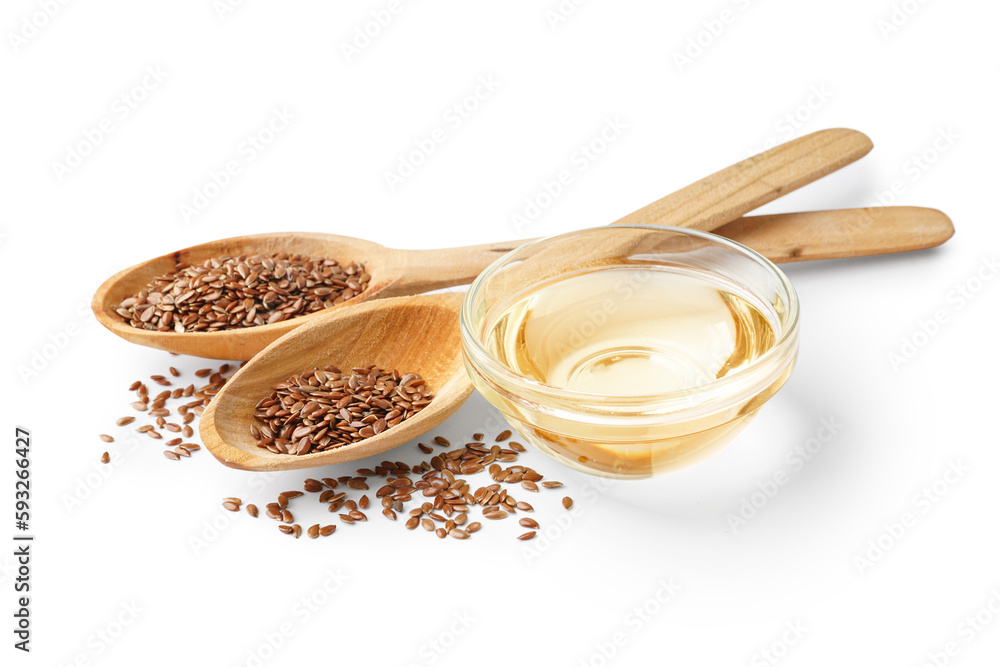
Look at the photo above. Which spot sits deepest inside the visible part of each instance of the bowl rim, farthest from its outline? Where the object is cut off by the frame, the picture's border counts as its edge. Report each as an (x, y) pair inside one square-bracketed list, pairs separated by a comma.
[(786, 342)]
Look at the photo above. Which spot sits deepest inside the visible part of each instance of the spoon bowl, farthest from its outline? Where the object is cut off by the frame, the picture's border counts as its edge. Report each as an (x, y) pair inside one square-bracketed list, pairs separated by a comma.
[(706, 204), (417, 334), (421, 333)]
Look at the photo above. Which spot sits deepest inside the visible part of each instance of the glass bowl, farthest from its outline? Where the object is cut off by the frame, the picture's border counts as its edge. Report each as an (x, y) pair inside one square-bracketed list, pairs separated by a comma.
[(652, 297)]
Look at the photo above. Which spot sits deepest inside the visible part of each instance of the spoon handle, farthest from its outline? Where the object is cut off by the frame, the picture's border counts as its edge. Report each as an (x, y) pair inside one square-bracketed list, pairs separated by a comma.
[(707, 204), (728, 194), (860, 232), (786, 237)]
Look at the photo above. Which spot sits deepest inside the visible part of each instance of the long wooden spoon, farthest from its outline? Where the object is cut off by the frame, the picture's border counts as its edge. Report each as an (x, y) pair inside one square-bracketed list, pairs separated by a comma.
[(707, 204), (421, 334)]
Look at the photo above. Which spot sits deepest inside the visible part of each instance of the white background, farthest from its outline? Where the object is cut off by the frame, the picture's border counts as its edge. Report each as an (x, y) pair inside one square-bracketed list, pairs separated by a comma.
[(795, 563)]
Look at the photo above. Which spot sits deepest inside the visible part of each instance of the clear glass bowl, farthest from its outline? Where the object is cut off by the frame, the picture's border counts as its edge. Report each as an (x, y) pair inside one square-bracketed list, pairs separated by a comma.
[(642, 435)]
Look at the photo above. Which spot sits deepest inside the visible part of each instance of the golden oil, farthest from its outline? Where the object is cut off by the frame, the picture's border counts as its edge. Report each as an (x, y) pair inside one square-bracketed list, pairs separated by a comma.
[(644, 332), (622, 332)]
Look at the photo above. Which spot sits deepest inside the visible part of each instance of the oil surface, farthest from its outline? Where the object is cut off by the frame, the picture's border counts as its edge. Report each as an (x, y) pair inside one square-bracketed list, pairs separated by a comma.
[(628, 332)]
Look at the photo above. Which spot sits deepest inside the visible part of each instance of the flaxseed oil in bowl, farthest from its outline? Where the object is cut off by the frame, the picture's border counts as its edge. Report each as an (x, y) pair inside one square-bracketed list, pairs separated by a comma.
[(632, 352)]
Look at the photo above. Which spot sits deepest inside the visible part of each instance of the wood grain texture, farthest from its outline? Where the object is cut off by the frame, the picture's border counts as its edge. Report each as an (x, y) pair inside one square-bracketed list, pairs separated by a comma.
[(799, 237), (789, 237), (416, 334), (731, 193)]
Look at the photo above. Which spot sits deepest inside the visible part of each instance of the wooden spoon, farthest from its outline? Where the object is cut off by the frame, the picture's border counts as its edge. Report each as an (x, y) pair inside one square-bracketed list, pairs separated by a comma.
[(421, 334), (417, 333), (707, 204)]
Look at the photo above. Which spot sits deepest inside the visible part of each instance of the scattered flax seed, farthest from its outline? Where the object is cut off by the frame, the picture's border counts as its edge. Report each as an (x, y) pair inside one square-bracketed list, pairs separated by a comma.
[(124, 421), (516, 446), (323, 409), (252, 510), (182, 452), (238, 292), (105, 457), (503, 436), (326, 531), (477, 437), (231, 506), (173, 371), (313, 531), (424, 448), (438, 440), (567, 502), (172, 455), (445, 498), (106, 438)]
